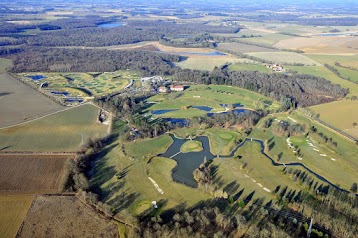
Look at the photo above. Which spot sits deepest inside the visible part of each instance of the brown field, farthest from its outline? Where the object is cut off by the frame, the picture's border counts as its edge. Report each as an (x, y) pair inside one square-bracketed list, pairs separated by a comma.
[(31, 173), (321, 44), (341, 114), (60, 216), (19, 103), (13, 211), (243, 48)]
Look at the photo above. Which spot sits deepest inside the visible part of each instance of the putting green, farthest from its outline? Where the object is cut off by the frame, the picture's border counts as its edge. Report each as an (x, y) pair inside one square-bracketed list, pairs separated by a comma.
[(191, 146), (225, 136)]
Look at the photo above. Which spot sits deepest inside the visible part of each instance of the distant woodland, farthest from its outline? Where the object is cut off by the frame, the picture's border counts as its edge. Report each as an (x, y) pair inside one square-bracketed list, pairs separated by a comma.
[(291, 91)]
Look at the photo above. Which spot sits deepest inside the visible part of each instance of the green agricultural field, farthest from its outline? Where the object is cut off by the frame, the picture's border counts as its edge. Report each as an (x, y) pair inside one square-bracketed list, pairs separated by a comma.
[(4, 64), (58, 132), (266, 39), (249, 67), (13, 211), (200, 95), (341, 114), (345, 60), (348, 73), (96, 83), (207, 63), (285, 58), (321, 71)]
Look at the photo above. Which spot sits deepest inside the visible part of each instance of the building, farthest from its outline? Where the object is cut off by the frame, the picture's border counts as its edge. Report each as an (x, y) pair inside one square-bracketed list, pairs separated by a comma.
[(177, 88), (163, 89)]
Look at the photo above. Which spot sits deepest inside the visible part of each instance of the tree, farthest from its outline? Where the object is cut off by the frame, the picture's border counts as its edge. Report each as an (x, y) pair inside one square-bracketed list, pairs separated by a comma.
[(354, 124), (354, 187)]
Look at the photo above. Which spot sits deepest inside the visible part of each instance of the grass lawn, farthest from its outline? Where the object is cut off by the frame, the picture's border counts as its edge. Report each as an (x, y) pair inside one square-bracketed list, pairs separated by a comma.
[(341, 114), (4, 64), (201, 95), (321, 71), (285, 58), (191, 146), (58, 132), (206, 63), (13, 211), (249, 67)]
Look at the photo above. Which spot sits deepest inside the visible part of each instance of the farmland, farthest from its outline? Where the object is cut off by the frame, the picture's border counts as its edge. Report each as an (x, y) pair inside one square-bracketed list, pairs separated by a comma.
[(285, 58), (13, 211), (321, 71), (61, 216), (207, 63), (199, 95), (320, 44), (348, 60), (31, 173), (31, 105), (341, 114), (249, 67), (62, 131), (4, 65), (80, 83), (243, 48)]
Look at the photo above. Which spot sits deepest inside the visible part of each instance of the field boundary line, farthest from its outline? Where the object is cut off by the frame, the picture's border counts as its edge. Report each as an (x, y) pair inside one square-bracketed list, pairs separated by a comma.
[(38, 118)]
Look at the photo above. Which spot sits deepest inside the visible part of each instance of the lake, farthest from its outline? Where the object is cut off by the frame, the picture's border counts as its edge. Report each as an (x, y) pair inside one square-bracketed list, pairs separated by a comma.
[(214, 53), (111, 24), (330, 34)]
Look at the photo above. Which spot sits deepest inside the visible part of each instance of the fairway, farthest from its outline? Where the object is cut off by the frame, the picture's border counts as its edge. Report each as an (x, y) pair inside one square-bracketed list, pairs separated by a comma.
[(59, 132), (285, 58), (211, 96), (31, 173), (13, 211), (341, 114)]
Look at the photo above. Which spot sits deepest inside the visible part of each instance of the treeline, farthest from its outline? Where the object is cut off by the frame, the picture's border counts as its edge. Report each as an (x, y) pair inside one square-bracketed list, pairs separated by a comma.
[(131, 32), (296, 90), (336, 72), (287, 129), (323, 138), (37, 59), (247, 119)]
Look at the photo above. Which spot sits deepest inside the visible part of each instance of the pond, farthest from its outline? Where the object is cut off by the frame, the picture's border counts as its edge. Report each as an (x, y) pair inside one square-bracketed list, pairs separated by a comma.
[(235, 111), (36, 77), (161, 112), (178, 121), (64, 93), (234, 105), (188, 162), (74, 100), (203, 108), (111, 24)]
